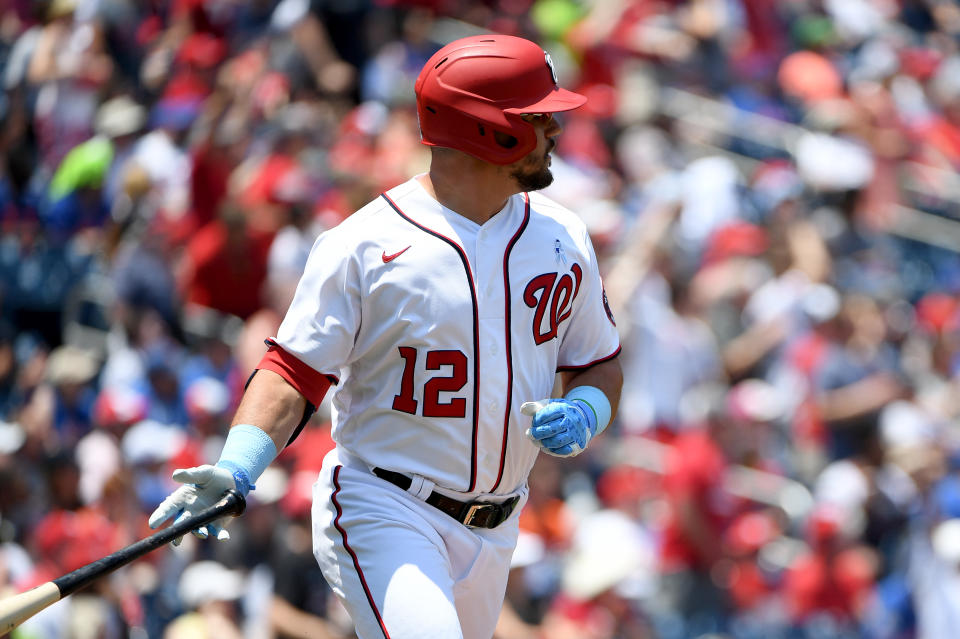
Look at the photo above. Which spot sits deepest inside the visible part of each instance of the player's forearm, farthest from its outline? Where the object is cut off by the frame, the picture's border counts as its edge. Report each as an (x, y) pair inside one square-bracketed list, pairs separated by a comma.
[(272, 405), (607, 376)]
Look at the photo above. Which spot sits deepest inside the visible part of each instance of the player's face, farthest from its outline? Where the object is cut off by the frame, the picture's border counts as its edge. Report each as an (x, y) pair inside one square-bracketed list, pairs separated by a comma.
[(532, 172)]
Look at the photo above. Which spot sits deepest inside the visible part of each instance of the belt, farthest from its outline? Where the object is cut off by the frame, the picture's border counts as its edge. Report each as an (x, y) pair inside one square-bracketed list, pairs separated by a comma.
[(478, 514)]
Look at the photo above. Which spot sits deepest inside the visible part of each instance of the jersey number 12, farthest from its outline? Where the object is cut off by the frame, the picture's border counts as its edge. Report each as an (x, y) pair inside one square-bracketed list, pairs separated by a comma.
[(432, 406)]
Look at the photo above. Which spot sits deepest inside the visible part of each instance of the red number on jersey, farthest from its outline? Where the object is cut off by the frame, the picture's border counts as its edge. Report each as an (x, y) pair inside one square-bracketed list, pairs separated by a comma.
[(432, 406), (456, 407), (404, 401)]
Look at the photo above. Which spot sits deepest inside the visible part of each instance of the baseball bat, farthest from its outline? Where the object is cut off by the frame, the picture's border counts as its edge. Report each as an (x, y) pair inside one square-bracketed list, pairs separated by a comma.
[(17, 609)]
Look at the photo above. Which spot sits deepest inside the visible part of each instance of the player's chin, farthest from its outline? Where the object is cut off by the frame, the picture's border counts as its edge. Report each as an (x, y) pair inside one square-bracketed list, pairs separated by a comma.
[(540, 178)]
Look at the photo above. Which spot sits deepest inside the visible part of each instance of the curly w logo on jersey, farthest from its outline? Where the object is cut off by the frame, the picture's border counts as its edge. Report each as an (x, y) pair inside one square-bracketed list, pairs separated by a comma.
[(552, 295)]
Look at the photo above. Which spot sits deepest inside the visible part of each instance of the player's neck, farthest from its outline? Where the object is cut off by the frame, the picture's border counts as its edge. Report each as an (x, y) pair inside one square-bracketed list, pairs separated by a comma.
[(476, 195)]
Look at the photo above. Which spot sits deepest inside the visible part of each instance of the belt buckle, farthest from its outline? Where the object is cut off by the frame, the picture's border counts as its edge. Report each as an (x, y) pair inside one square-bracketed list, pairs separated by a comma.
[(477, 508)]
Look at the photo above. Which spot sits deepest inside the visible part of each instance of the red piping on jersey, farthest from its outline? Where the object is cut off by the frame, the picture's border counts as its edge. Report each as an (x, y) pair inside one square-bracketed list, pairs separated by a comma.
[(507, 335), (307, 381), (593, 363), (353, 555), (476, 335)]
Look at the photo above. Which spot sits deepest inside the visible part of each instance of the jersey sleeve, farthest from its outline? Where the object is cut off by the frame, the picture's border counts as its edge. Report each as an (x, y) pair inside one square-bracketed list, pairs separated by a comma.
[(592, 336), (323, 319)]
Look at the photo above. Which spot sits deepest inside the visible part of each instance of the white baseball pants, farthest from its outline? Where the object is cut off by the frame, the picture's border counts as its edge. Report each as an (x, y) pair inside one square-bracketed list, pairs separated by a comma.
[(402, 568)]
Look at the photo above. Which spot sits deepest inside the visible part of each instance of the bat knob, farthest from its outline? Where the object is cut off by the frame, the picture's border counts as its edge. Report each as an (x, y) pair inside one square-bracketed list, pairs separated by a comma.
[(236, 500)]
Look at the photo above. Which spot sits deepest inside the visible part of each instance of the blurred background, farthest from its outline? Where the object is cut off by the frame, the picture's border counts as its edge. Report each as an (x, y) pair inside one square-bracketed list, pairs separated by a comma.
[(770, 185)]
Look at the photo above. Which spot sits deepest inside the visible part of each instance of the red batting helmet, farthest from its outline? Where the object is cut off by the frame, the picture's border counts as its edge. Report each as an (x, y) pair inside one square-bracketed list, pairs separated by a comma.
[(481, 84)]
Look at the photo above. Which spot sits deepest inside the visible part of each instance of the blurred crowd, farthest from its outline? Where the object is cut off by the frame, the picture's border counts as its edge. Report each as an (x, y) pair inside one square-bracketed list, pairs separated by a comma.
[(771, 188)]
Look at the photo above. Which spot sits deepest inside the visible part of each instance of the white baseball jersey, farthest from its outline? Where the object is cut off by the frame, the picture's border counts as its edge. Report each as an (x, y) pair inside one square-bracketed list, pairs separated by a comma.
[(437, 329)]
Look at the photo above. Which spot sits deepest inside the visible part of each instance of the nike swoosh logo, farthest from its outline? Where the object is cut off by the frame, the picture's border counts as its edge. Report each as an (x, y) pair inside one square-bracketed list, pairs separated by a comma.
[(390, 258)]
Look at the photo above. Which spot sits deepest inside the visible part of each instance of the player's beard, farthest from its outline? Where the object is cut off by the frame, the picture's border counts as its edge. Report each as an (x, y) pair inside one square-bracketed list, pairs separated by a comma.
[(534, 174)]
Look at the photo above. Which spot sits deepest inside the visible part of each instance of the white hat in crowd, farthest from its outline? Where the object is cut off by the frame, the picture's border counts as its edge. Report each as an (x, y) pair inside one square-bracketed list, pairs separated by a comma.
[(206, 581), (120, 116)]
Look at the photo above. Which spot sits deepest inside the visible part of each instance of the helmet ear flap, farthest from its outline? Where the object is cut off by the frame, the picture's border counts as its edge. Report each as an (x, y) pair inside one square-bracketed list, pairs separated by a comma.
[(489, 141)]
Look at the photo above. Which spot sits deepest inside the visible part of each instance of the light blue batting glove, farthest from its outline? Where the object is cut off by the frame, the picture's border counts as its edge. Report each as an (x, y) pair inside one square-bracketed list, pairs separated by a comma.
[(561, 427)]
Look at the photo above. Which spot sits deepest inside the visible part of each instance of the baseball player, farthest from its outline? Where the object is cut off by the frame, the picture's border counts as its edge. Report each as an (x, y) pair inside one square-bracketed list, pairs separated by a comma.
[(442, 312)]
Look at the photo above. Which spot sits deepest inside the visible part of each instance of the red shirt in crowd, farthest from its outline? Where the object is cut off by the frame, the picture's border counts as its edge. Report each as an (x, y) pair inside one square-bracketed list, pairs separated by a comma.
[(821, 581), (226, 270), (694, 479)]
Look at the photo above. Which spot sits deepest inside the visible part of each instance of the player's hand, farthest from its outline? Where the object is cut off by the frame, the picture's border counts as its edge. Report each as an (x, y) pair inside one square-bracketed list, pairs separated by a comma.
[(203, 486), (561, 427)]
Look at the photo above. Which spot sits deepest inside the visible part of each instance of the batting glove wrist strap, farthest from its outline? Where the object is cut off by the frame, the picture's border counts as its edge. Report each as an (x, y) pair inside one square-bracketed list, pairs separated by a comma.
[(240, 478), (598, 406), (589, 416), (246, 454)]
